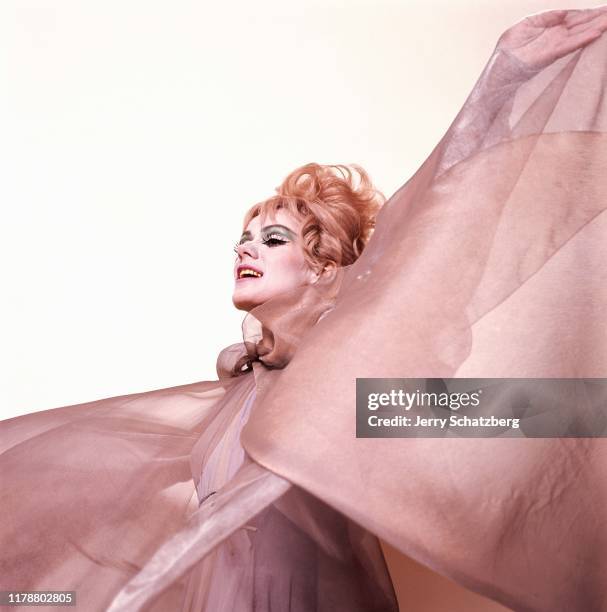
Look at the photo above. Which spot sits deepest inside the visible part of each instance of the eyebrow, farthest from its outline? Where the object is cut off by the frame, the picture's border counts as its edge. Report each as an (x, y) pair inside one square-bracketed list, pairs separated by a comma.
[(267, 228)]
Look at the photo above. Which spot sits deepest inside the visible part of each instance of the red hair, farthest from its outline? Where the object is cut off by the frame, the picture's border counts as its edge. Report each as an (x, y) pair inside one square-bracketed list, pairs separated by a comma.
[(338, 205)]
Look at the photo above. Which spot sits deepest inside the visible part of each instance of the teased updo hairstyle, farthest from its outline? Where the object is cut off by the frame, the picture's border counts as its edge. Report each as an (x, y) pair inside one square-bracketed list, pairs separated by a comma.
[(338, 205)]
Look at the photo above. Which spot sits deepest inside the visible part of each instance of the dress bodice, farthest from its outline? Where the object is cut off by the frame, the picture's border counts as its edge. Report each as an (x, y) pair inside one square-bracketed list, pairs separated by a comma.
[(227, 455)]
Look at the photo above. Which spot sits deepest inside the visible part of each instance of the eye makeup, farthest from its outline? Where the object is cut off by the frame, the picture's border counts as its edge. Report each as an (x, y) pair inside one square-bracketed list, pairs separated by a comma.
[(271, 235), (273, 239)]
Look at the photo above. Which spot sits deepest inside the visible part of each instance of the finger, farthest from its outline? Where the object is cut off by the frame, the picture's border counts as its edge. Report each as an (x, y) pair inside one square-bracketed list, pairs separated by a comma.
[(596, 23), (546, 19), (579, 40), (575, 18)]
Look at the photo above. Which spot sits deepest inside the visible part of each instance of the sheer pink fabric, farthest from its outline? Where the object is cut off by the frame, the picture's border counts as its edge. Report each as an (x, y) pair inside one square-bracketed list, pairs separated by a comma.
[(149, 502), (490, 262)]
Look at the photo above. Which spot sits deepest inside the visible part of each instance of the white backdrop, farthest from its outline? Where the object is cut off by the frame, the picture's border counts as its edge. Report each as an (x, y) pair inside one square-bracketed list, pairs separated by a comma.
[(134, 134)]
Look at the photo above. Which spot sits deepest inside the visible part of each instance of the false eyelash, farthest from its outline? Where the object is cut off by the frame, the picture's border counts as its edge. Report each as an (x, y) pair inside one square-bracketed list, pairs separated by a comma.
[(277, 237), (265, 240)]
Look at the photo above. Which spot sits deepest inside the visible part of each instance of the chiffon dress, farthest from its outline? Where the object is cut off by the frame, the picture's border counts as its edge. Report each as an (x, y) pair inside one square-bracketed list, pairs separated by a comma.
[(296, 554), (252, 492)]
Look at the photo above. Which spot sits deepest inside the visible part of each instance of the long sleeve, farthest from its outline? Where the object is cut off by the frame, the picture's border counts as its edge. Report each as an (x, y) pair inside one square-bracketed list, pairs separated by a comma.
[(488, 263), (484, 118)]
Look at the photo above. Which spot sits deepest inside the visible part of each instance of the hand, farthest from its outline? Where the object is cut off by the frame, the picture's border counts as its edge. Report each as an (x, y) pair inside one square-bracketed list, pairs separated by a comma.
[(540, 39)]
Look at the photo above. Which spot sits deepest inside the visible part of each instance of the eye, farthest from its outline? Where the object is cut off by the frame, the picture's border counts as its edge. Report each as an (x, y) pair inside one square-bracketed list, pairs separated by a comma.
[(273, 240)]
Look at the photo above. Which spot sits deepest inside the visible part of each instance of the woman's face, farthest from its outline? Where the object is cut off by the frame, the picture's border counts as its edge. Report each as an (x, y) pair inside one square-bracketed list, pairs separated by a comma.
[(269, 260)]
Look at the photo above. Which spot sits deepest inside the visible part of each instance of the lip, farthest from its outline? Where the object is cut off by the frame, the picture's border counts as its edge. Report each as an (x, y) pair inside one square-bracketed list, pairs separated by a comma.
[(248, 267)]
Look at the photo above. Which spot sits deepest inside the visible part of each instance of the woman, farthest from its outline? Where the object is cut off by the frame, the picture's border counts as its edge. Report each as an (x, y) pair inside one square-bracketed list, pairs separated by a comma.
[(486, 237), (297, 553)]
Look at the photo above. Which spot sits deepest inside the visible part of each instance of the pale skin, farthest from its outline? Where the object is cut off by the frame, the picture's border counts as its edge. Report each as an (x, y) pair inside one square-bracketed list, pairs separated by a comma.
[(277, 253), (540, 39), (274, 250)]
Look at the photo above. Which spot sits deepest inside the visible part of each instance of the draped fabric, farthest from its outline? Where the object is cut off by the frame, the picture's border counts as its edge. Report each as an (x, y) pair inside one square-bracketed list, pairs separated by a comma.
[(256, 542), (488, 262), (149, 502)]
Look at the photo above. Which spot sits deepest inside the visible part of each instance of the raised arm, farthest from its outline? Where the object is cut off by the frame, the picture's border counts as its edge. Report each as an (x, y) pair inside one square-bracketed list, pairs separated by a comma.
[(521, 52)]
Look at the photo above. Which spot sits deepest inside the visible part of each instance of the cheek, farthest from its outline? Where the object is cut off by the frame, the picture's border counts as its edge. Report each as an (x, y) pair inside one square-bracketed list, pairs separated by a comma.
[(290, 268)]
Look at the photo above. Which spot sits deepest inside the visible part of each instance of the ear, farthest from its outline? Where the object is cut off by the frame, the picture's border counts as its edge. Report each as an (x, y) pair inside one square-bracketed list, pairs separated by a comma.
[(314, 276)]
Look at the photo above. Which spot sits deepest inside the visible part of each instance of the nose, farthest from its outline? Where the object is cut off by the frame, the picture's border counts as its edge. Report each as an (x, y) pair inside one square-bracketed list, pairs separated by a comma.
[(247, 248)]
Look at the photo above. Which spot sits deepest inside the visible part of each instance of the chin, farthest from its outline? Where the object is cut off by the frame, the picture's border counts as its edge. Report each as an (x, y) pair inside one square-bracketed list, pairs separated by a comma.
[(244, 303), (240, 304)]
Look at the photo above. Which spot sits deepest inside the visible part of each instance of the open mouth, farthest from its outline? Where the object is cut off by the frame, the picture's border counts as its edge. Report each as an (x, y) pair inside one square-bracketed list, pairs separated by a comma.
[(246, 272)]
